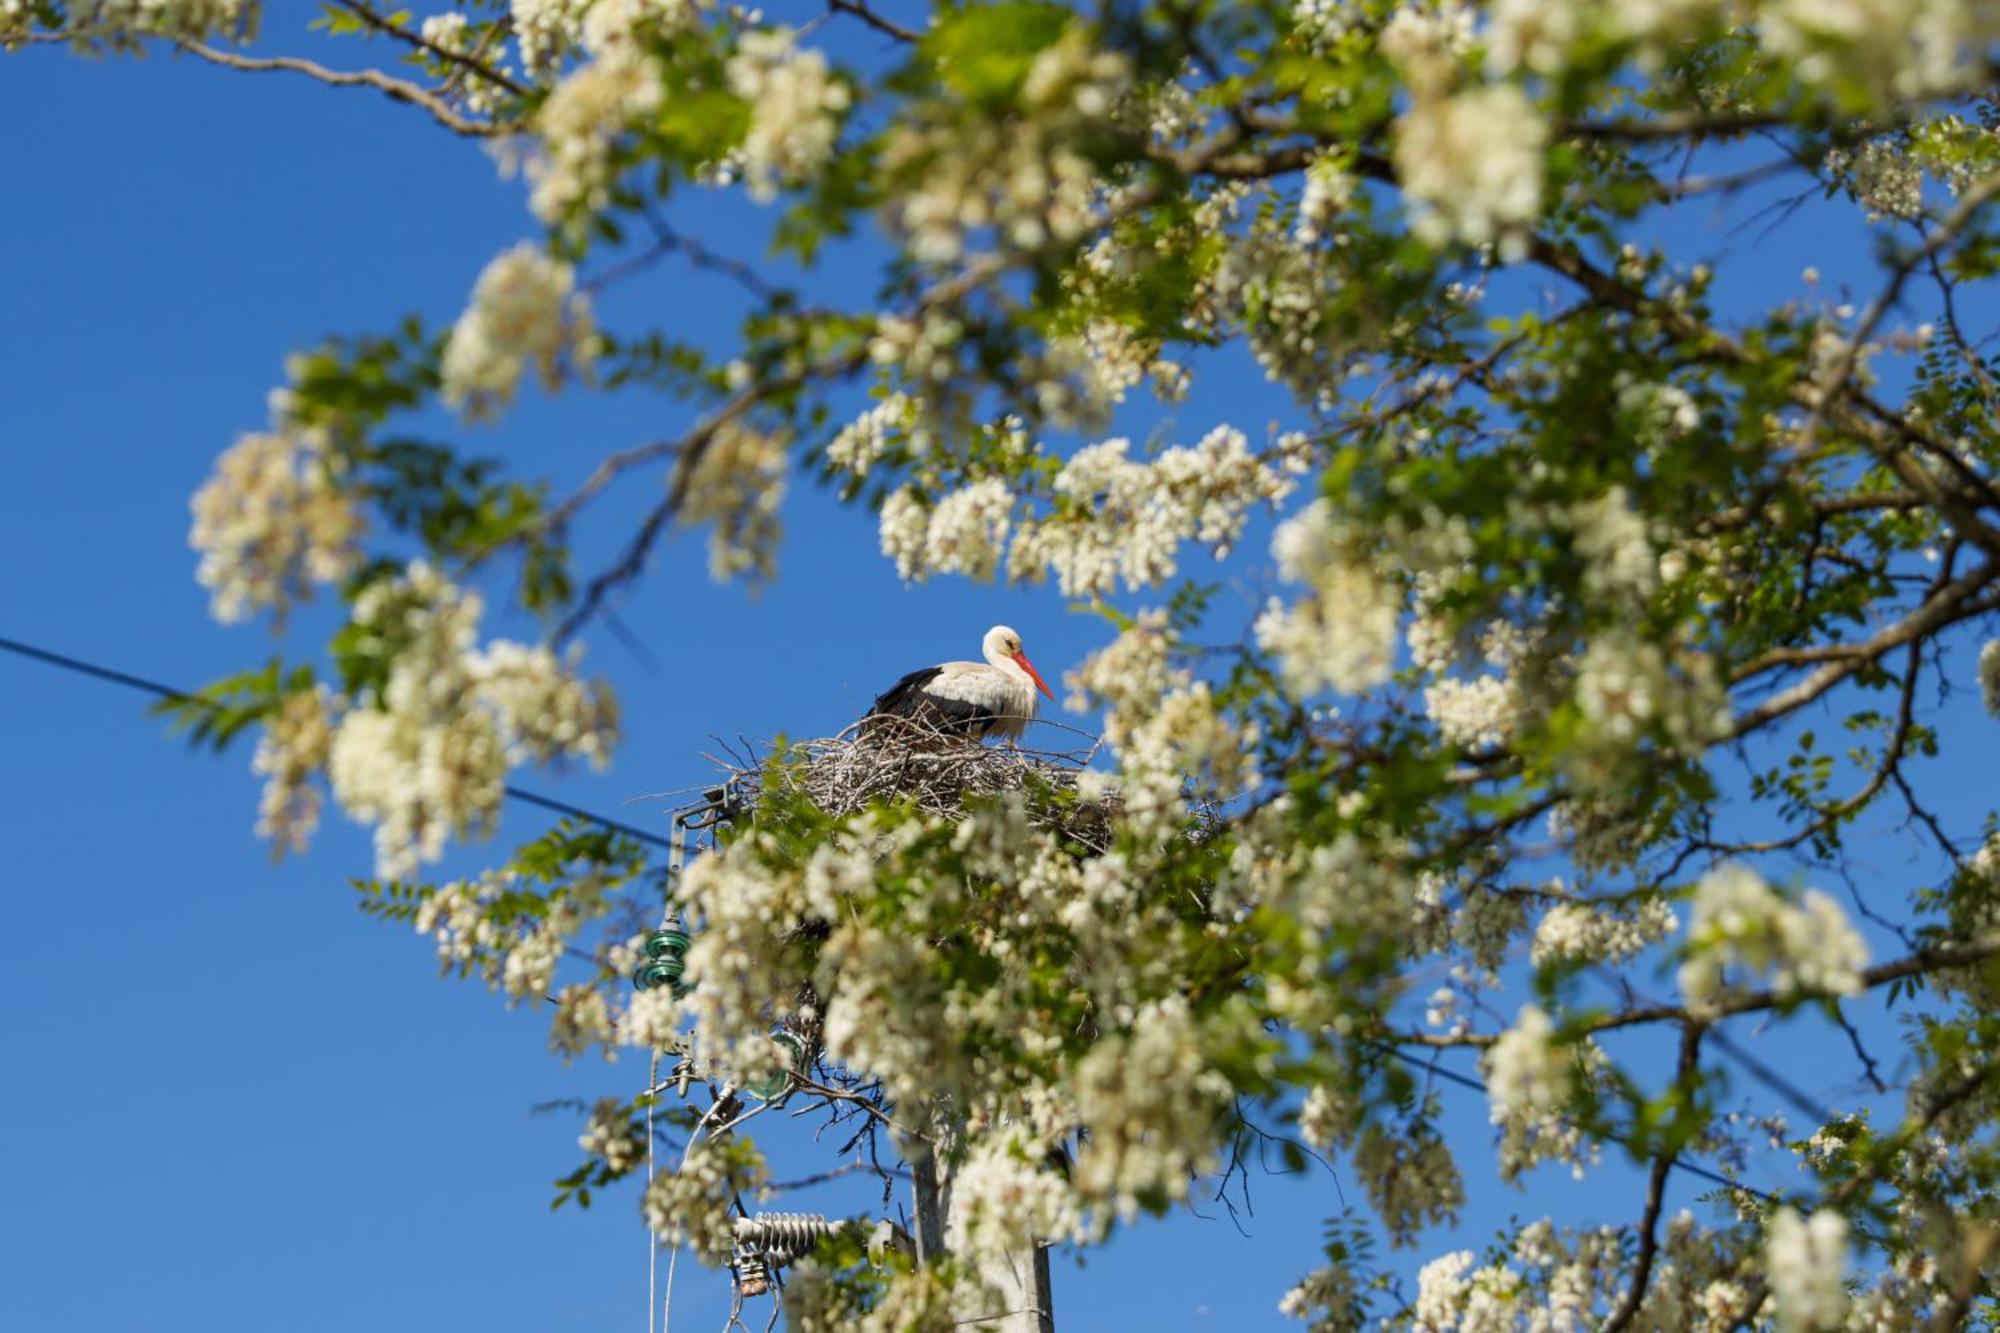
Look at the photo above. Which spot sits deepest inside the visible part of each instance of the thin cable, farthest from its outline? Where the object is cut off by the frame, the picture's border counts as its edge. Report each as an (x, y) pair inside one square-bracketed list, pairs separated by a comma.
[(673, 1256), (165, 691), (675, 847), (652, 1236), (1466, 1081)]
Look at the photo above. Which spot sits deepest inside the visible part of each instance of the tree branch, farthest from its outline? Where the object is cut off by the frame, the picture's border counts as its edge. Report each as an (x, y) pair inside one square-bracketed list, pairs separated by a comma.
[(1939, 958), (397, 89), (1656, 1193), (470, 64)]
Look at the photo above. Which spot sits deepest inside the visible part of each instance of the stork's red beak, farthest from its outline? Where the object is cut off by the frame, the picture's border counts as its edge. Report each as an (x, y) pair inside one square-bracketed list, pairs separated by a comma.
[(1034, 675)]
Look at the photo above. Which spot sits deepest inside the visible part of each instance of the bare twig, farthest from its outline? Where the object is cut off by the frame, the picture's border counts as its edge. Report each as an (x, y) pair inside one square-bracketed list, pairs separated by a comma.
[(399, 90), (1656, 1193), (887, 27), (409, 37)]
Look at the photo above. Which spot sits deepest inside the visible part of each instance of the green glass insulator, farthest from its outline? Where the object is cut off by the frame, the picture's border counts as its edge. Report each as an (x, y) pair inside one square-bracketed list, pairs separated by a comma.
[(666, 944), (770, 1086), (659, 972), (797, 1051), (797, 1056)]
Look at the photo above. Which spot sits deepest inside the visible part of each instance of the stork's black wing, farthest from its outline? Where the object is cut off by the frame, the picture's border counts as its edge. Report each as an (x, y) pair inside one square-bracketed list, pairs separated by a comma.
[(909, 698)]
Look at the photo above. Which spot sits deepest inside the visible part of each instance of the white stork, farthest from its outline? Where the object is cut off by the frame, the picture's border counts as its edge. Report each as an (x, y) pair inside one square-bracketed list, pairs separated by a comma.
[(980, 699)]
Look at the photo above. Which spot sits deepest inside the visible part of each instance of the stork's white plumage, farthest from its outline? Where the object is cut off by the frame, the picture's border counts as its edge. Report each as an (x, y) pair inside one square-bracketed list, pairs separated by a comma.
[(983, 699)]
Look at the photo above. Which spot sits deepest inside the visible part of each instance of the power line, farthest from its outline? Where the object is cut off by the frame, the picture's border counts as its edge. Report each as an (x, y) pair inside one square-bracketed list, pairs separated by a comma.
[(160, 689), (1432, 1067), (526, 797)]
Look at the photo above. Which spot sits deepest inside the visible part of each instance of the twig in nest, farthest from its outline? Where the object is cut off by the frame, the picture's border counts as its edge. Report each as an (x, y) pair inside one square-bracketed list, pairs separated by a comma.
[(902, 759)]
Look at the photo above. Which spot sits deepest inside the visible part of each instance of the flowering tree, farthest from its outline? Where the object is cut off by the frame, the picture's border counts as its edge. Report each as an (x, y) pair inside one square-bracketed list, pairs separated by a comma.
[(1579, 546)]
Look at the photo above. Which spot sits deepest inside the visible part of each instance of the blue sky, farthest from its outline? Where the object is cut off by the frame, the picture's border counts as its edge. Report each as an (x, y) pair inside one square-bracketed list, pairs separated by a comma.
[(233, 1102)]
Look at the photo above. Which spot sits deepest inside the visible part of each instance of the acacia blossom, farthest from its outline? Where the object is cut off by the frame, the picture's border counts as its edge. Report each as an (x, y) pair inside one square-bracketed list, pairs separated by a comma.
[(1806, 1261), (272, 522), (425, 759), (524, 312), (1342, 634), (1810, 947), (795, 109), (1471, 162)]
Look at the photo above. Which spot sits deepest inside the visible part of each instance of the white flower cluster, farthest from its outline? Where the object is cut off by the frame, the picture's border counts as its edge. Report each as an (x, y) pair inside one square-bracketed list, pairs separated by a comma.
[(1627, 687), (1620, 683), (736, 966), (1273, 284), (518, 957), (795, 110), (736, 485), (1323, 22), (1328, 189), (1576, 932), (1342, 634), (1328, 1116), (191, 19), (543, 711), (1116, 518), (1108, 357), (427, 759), (964, 533), (1541, 35), (524, 310), (1481, 713), (452, 32), (272, 521), (612, 1136), (1411, 1179), (1002, 1192), (582, 1019), (1120, 518), (1531, 34), (1429, 40), (1661, 413), (1561, 1281), (1890, 49), (1618, 554), (1989, 677), (1810, 947), (1164, 726), (1149, 1100), (696, 1205), (1526, 1070), (546, 31), (1326, 1298), (1024, 178), (1471, 163), (866, 440), (456, 916), (1528, 1078), (578, 127), (418, 785), (1884, 178), (1805, 1261), (293, 749)]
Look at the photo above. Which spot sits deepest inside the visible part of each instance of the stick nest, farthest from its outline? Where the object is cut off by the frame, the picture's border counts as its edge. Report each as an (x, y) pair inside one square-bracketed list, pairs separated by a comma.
[(896, 759)]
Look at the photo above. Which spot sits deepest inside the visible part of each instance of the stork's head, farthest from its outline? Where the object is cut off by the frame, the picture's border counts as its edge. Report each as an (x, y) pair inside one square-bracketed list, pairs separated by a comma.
[(1003, 645)]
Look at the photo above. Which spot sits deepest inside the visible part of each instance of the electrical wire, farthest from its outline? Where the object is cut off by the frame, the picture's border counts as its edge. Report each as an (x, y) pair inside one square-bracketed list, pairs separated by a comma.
[(165, 691), (161, 690), (1694, 1169)]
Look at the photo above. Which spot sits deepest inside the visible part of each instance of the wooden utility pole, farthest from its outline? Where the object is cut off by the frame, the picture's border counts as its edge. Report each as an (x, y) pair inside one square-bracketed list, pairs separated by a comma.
[(1016, 1295)]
